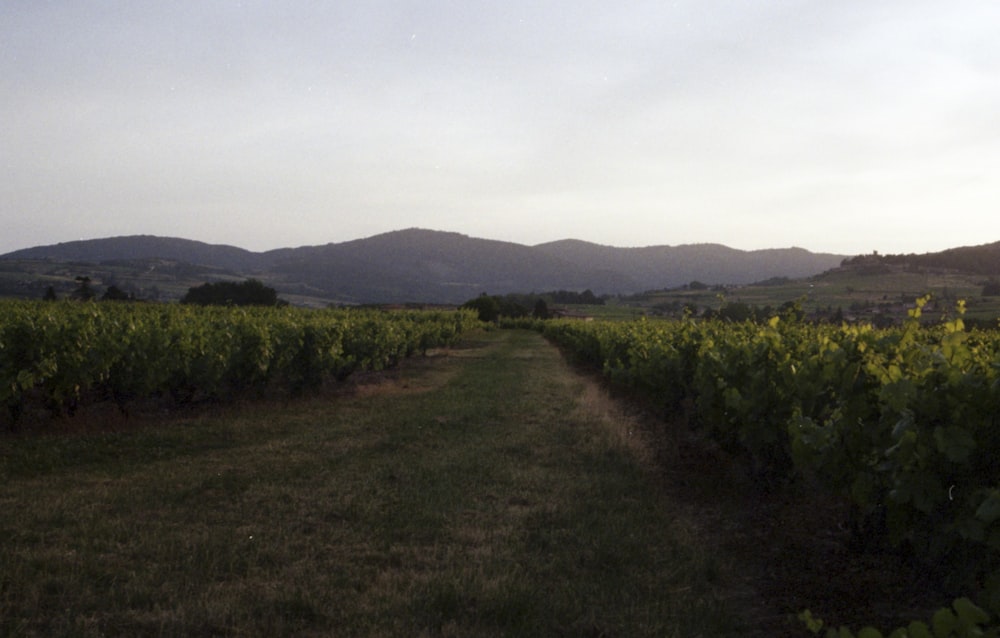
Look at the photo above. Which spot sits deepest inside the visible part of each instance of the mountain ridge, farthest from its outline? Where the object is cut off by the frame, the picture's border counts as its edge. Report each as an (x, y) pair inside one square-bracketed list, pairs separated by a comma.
[(416, 264)]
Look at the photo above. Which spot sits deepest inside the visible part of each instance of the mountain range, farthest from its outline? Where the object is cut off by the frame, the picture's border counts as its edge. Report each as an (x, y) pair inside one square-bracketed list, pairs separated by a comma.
[(446, 267)]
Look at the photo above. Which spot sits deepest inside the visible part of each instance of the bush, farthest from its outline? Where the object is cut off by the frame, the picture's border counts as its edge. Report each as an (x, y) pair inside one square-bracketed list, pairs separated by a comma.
[(225, 293)]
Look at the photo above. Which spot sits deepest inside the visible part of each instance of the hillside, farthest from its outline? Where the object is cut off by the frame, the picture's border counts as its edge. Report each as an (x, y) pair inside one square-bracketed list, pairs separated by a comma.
[(424, 265), (978, 260), (669, 266), (140, 247), (433, 266)]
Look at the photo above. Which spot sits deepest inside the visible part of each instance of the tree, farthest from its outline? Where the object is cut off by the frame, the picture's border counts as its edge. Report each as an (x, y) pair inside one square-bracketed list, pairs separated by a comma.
[(735, 311), (114, 293), (487, 307), (50, 294), (510, 306), (792, 311), (226, 293), (541, 309), (84, 292)]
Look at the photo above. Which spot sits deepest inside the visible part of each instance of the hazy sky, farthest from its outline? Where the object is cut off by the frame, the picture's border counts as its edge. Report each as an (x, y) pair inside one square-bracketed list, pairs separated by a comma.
[(845, 126)]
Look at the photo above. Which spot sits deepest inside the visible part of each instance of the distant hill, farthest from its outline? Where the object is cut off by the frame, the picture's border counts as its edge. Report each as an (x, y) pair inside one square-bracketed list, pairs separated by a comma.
[(436, 266), (445, 267), (656, 267), (978, 260), (139, 247)]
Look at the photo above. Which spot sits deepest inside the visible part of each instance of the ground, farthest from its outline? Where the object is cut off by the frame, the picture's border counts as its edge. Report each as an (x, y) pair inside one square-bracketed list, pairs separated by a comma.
[(486, 490)]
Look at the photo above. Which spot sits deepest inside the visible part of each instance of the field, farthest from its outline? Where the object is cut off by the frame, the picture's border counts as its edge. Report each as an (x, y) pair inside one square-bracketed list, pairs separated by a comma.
[(171, 471), (485, 490), (899, 423), (861, 295)]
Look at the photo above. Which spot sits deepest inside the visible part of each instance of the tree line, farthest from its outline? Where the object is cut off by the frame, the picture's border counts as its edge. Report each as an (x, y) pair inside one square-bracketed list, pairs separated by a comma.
[(223, 293), (516, 305)]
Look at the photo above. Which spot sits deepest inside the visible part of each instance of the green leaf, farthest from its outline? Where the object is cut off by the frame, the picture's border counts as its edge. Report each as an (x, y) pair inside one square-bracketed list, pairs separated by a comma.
[(25, 379), (945, 623), (904, 425), (812, 623), (954, 442), (917, 629), (899, 392), (869, 632), (969, 614)]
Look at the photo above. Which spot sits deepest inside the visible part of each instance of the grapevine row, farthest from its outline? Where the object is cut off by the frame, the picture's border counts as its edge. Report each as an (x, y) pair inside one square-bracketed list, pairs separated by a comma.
[(904, 422), (65, 354)]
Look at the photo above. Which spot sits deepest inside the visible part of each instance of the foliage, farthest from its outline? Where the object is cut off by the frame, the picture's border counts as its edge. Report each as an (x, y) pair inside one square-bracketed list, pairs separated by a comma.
[(486, 307), (62, 354), (515, 306), (569, 297), (226, 293), (541, 310), (83, 292), (963, 620), (114, 293), (903, 422)]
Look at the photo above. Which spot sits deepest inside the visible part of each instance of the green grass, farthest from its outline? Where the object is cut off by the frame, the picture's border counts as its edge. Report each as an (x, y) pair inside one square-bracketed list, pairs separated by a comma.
[(481, 492)]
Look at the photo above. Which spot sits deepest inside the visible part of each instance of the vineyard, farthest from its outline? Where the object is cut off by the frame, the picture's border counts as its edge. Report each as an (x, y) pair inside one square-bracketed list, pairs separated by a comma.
[(60, 356), (901, 422)]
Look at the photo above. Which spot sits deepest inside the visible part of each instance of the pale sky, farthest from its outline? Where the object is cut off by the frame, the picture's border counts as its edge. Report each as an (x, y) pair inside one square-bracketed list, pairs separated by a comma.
[(843, 127)]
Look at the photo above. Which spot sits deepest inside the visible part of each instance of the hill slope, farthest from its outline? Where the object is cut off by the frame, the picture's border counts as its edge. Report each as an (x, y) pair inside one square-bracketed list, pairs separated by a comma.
[(444, 267), (145, 247), (669, 266), (979, 260)]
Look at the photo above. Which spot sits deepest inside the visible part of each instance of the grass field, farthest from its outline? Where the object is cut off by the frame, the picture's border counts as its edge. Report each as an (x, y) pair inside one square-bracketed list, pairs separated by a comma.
[(485, 491)]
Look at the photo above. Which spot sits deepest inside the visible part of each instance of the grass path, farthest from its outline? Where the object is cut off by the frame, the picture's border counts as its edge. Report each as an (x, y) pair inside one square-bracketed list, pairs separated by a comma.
[(485, 491)]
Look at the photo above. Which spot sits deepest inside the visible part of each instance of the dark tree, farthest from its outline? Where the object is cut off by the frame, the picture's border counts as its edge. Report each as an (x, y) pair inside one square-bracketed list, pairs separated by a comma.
[(226, 293), (792, 311), (114, 293), (736, 312), (50, 294), (511, 307), (487, 307), (586, 297), (84, 292), (541, 309)]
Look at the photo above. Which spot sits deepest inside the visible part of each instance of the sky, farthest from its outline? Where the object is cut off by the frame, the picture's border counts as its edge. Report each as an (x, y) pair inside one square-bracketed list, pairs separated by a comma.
[(841, 127)]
